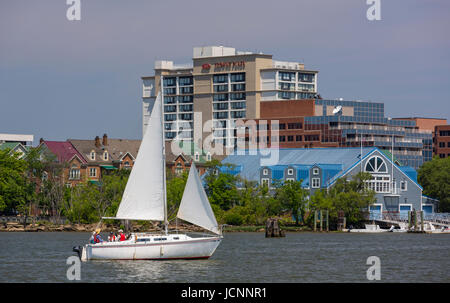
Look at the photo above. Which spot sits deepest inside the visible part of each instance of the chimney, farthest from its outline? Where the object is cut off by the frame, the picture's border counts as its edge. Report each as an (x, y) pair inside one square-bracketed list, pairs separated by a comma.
[(97, 141), (105, 140)]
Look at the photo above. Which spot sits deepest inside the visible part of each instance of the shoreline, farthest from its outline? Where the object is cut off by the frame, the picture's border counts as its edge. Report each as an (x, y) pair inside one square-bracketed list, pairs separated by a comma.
[(48, 227)]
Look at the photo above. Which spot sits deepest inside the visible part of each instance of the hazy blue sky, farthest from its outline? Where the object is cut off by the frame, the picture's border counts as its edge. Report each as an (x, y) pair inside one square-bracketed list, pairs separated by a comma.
[(64, 79)]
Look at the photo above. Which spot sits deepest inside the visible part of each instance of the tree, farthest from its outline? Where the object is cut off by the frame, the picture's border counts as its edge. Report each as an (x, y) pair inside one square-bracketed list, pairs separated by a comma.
[(434, 176), (221, 188), (293, 197), (351, 196), (14, 190)]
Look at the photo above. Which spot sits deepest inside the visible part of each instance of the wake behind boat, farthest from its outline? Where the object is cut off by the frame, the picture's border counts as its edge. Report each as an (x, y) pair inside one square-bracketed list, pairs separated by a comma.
[(145, 198)]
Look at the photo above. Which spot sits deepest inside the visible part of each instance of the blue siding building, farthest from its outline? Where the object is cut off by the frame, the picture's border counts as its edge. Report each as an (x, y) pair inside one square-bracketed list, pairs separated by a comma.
[(396, 187)]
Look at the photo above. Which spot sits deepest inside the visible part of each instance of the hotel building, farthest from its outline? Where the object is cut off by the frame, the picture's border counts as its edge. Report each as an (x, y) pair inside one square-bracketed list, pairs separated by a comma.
[(223, 85)]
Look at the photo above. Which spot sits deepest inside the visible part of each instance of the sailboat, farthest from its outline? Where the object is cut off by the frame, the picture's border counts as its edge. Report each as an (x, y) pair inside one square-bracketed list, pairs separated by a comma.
[(145, 198)]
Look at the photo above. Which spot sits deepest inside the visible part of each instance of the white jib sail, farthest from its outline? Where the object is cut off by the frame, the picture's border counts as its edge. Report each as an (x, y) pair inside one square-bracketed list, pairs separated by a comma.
[(194, 206), (143, 198)]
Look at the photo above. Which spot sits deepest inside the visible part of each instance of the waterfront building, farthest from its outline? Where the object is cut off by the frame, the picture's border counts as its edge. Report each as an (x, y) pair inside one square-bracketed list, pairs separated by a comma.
[(222, 85), (442, 141), (104, 155), (67, 161), (396, 187)]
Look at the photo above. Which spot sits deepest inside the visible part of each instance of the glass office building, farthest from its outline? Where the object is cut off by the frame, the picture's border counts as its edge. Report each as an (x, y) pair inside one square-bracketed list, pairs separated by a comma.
[(356, 123)]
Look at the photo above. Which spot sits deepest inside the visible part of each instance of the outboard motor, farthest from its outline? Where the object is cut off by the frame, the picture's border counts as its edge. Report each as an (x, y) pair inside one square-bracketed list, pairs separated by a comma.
[(78, 250)]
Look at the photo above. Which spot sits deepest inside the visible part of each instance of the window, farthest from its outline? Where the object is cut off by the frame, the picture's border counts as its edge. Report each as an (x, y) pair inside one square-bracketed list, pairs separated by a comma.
[(315, 182), (376, 165), (74, 174), (186, 90), (237, 96), (441, 144), (239, 114), (220, 106), (237, 105), (208, 156), (185, 99), (380, 183), (197, 156), (265, 182), (186, 81), (220, 97), (289, 179), (294, 125), (290, 171), (171, 81), (290, 138), (223, 78), (170, 108), (265, 171), (220, 88), (286, 76), (298, 138), (282, 138), (315, 171), (238, 87), (92, 155), (126, 164), (44, 176), (105, 156), (404, 185), (186, 108), (239, 77), (302, 77), (92, 172), (169, 99), (179, 169)]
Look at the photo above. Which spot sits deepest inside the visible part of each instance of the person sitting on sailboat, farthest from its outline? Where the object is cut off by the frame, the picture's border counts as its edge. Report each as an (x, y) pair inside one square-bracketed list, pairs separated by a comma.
[(97, 238), (112, 237), (121, 235)]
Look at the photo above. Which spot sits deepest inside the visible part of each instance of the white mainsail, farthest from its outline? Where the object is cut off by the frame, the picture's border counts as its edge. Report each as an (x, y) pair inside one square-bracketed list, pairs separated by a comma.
[(194, 206), (143, 198)]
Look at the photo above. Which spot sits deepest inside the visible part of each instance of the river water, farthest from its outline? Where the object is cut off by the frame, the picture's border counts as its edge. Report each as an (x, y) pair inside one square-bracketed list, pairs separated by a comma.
[(241, 257)]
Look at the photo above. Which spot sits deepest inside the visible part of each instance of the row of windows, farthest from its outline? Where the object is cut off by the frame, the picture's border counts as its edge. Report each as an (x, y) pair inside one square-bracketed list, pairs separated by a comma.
[(173, 117), (181, 99), (227, 97), (442, 144), (234, 87), (172, 81), (182, 90), (290, 76), (233, 105), (224, 115), (181, 108), (234, 77), (293, 95)]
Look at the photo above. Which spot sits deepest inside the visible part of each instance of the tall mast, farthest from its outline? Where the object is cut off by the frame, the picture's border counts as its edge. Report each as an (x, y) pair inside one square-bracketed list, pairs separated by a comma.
[(166, 223)]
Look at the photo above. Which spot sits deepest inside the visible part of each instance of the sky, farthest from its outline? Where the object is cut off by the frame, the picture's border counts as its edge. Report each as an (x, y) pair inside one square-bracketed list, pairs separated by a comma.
[(63, 79)]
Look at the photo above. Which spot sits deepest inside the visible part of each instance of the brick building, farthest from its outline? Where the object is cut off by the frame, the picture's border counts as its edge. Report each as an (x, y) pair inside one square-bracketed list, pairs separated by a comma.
[(442, 141)]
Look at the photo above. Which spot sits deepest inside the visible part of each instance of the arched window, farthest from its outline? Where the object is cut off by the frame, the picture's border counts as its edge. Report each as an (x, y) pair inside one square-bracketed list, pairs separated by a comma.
[(376, 165), (92, 155), (105, 155)]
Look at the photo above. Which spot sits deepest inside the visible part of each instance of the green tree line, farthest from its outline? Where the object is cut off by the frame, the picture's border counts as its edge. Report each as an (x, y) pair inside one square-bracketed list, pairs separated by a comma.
[(235, 201)]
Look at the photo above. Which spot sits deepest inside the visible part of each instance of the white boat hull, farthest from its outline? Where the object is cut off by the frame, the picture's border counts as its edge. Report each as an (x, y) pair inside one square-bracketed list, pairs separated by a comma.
[(184, 247)]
